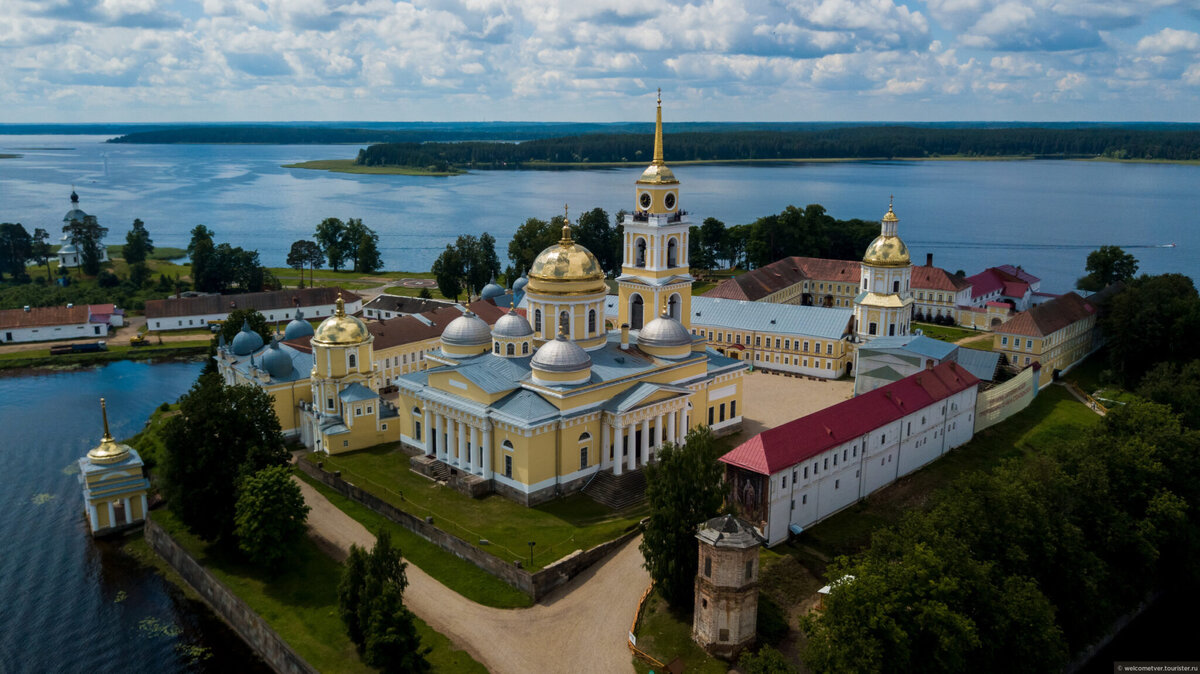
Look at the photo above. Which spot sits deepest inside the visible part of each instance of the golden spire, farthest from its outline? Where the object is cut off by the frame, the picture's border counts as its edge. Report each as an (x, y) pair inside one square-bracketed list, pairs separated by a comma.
[(658, 148), (109, 450), (341, 307), (566, 232), (104, 413)]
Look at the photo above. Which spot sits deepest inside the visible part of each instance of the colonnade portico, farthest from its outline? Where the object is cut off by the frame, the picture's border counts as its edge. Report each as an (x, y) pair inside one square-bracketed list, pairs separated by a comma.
[(462, 443), (621, 434)]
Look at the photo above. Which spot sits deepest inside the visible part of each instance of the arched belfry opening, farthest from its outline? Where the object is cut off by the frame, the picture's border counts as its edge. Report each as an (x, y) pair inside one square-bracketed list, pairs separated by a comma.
[(635, 312)]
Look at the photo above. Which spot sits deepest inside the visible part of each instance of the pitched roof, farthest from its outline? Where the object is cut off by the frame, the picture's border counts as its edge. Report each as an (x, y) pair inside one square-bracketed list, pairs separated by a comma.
[(758, 283), (936, 278), (992, 279), (426, 325), (404, 305), (1019, 273), (822, 322), (37, 317), (982, 364), (918, 344), (264, 301), (1048, 317), (800, 439)]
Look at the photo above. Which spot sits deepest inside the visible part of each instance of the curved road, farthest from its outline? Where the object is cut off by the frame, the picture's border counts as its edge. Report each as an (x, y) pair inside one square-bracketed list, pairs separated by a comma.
[(580, 627)]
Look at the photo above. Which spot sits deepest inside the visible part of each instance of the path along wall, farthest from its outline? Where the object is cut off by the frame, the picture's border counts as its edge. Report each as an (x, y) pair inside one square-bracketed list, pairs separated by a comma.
[(536, 585), (1005, 400), (249, 625)]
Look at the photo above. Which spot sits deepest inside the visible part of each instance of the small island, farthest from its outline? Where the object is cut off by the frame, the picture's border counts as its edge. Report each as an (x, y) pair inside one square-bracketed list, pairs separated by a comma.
[(350, 166)]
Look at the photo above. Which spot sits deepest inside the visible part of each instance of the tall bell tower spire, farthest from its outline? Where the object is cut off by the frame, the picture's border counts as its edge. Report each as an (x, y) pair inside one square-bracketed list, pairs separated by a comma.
[(655, 277)]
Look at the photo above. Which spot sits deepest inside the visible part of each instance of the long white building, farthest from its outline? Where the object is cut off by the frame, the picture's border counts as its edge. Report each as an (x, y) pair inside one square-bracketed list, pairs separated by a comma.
[(183, 313), (795, 475)]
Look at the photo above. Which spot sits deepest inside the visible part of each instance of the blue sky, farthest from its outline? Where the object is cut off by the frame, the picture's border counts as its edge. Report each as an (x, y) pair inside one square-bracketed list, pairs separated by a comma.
[(598, 60)]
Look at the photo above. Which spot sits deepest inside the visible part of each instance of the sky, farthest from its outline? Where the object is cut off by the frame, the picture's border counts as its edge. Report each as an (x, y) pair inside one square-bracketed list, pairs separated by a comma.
[(598, 60)]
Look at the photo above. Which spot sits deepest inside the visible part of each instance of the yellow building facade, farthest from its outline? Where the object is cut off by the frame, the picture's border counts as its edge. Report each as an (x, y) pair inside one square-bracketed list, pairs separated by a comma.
[(114, 486), (1055, 334)]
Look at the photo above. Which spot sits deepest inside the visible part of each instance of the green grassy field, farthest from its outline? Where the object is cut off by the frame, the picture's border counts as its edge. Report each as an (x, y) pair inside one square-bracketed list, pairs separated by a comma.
[(42, 357), (558, 527), (300, 603), (455, 573), (944, 333), (665, 636), (348, 166)]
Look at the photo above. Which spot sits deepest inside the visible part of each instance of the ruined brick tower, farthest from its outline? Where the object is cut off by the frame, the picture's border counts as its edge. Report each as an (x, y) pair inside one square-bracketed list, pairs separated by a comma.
[(726, 612)]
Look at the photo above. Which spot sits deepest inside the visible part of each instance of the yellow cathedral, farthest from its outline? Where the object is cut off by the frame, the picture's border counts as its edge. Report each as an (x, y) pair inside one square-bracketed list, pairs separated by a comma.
[(538, 404)]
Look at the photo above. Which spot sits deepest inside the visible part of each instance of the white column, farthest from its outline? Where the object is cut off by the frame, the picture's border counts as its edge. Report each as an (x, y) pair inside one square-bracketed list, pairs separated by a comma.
[(605, 437), (128, 511), (112, 515), (439, 443), (93, 517), (660, 433), (476, 456), (145, 509), (633, 445), (619, 457), (683, 425), (426, 430), (672, 425), (486, 449), (460, 432)]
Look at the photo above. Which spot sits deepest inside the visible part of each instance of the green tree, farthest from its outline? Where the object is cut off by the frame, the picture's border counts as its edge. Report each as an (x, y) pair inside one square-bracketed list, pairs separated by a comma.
[(331, 236), (297, 257), (712, 241), (530, 240), (595, 232), (370, 602), (269, 516), (88, 238), (488, 261), (448, 271), (1176, 386), (40, 250), (138, 244), (221, 434), (765, 660), (425, 294), (684, 488), (16, 247), (1144, 321), (202, 254), (367, 259), (1105, 266)]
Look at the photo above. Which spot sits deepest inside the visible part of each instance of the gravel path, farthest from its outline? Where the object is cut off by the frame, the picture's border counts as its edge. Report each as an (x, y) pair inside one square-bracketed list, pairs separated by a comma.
[(581, 627)]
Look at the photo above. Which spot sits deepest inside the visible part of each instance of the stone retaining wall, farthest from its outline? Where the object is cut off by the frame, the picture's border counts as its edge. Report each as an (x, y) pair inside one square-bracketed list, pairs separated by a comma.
[(536, 585), (249, 625)]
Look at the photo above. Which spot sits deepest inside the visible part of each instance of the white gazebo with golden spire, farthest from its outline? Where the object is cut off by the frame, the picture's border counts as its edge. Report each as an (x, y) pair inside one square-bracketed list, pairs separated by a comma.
[(114, 486), (655, 276)]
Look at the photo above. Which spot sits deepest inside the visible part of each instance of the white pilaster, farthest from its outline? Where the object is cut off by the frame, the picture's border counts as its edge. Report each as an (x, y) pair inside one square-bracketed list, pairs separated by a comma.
[(672, 425), (112, 515), (460, 432), (145, 509), (604, 440), (426, 430), (660, 433), (475, 457), (486, 450), (619, 458)]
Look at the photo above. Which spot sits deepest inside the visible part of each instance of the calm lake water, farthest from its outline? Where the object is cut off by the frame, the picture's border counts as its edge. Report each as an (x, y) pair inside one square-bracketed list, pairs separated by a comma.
[(72, 604), (1043, 215)]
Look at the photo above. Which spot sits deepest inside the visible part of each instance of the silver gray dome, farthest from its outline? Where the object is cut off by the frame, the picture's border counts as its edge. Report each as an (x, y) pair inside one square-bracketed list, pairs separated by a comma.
[(561, 355), (298, 327), (74, 215), (247, 341), (512, 324), (491, 290), (276, 362), (520, 283), (664, 331), (467, 330)]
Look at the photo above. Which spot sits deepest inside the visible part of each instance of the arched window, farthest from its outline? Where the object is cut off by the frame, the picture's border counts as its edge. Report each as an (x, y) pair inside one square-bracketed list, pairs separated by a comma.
[(640, 252), (510, 350), (635, 312), (507, 445), (524, 348), (564, 323), (673, 307), (896, 286), (352, 360), (496, 347), (591, 321), (537, 320), (671, 254), (585, 436)]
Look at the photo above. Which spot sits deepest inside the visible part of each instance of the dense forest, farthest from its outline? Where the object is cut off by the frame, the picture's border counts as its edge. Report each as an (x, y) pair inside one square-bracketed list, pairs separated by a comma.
[(860, 142)]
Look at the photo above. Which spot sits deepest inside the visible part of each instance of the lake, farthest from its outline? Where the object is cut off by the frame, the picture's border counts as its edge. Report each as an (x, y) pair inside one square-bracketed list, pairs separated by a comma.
[(1043, 215), (72, 604)]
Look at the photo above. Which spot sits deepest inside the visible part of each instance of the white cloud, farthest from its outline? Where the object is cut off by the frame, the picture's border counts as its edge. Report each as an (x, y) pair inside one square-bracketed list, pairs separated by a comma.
[(1169, 41)]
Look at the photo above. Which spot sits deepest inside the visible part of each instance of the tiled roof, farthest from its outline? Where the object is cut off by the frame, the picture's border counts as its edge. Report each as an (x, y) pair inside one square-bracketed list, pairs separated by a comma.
[(1019, 273), (1049, 317), (784, 446), (936, 278), (264, 301), (419, 327), (758, 283), (38, 317), (822, 322), (992, 279), (404, 305)]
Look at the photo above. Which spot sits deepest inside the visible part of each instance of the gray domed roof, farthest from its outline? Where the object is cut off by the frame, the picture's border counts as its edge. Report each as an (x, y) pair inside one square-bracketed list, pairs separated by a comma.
[(73, 215), (520, 283), (467, 330), (664, 331), (491, 290), (276, 362), (247, 341), (561, 355), (298, 327), (512, 324)]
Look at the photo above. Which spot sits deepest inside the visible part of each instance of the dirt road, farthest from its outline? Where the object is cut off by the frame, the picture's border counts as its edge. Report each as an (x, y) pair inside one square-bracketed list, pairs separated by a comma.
[(581, 627)]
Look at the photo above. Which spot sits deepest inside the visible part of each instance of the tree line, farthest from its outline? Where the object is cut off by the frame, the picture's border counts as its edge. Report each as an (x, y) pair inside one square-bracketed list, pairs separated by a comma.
[(858, 142)]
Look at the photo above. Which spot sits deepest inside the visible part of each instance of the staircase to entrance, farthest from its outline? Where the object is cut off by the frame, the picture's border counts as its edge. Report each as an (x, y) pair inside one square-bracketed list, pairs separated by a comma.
[(618, 491)]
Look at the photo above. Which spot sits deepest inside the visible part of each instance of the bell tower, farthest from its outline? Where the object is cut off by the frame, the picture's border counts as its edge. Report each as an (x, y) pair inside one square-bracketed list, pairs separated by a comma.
[(884, 306), (655, 276)]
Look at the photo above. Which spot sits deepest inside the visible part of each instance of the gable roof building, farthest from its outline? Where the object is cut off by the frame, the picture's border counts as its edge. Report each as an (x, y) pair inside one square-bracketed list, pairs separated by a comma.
[(182, 313)]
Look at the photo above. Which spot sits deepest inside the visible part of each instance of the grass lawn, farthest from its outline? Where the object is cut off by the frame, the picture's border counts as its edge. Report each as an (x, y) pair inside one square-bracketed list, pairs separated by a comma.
[(665, 636), (701, 287), (558, 527), (300, 604), (42, 357), (1053, 417), (457, 574), (945, 333), (984, 343)]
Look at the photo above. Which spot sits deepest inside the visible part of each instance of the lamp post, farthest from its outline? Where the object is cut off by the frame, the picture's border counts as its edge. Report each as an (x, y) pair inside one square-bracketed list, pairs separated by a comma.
[(531, 544)]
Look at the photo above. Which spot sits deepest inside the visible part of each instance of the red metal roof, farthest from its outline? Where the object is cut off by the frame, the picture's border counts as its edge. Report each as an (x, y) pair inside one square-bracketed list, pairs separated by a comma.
[(801, 439), (992, 279)]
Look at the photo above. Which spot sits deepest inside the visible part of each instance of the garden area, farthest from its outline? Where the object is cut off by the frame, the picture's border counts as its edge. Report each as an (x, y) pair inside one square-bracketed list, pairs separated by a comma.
[(557, 528)]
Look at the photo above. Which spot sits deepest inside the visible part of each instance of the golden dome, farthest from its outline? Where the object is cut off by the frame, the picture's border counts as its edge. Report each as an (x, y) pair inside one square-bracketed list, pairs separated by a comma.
[(109, 450), (566, 268), (887, 251), (341, 329)]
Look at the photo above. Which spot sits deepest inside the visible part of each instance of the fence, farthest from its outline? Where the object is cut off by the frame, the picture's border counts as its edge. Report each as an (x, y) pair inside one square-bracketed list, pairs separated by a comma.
[(1005, 400)]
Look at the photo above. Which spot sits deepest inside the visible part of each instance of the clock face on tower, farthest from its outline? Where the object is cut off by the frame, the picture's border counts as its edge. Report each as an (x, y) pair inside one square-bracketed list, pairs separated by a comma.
[(644, 200), (670, 200)]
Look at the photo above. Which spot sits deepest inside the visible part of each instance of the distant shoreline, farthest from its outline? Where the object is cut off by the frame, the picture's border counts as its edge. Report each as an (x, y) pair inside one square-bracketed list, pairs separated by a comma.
[(348, 166)]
